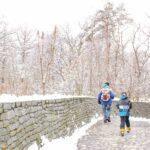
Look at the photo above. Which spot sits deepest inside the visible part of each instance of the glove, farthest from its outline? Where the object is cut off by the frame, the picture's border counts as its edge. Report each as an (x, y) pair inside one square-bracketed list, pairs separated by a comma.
[(99, 102)]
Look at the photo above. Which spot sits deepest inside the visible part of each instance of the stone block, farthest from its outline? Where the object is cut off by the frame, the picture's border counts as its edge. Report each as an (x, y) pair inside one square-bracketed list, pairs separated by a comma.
[(24, 119), (8, 115), (1, 125), (6, 123), (18, 112), (18, 104), (3, 131), (14, 126), (7, 106), (1, 110)]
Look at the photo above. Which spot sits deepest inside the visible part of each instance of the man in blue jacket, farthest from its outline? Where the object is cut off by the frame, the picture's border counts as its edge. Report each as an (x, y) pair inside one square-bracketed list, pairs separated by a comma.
[(105, 98)]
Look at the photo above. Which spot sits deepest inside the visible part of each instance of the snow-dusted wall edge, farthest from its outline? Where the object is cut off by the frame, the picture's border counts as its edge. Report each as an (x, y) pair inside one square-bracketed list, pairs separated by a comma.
[(22, 123)]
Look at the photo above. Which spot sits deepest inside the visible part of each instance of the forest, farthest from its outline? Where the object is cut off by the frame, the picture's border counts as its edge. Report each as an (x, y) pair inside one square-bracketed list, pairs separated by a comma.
[(112, 47)]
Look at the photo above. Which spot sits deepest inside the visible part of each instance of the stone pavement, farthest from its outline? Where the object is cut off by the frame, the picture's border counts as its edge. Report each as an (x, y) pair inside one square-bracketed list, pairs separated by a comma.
[(106, 137)]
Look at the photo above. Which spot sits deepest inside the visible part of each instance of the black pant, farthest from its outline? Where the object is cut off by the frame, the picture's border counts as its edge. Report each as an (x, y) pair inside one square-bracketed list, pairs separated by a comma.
[(124, 121)]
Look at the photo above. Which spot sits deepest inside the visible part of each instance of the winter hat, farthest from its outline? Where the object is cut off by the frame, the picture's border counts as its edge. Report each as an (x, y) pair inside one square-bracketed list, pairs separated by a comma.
[(107, 83), (123, 96), (104, 85)]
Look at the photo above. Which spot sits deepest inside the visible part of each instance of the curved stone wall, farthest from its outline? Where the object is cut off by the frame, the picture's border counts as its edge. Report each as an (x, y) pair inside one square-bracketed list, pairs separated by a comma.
[(22, 123)]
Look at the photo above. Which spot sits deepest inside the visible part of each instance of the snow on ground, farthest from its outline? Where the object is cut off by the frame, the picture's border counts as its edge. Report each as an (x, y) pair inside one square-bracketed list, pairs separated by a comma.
[(67, 143), (139, 119), (70, 143), (12, 98)]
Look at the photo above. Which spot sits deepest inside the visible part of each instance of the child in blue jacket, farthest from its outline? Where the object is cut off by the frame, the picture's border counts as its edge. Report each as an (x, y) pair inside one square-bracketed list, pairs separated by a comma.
[(105, 98), (124, 105)]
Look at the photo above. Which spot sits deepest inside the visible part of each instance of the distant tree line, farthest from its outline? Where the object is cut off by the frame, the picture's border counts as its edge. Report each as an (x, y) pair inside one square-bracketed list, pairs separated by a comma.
[(111, 47)]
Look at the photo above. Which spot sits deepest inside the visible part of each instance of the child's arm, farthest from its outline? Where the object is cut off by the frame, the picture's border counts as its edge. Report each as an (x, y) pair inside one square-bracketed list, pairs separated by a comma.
[(117, 105), (99, 98), (112, 95), (130, 104)]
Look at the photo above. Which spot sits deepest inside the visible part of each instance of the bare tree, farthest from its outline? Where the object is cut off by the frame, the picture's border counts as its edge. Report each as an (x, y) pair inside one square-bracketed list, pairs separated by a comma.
[(24, 45)]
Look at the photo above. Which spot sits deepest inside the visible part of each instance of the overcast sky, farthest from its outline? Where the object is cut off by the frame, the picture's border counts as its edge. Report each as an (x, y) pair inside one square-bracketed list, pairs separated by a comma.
[(44, 14)]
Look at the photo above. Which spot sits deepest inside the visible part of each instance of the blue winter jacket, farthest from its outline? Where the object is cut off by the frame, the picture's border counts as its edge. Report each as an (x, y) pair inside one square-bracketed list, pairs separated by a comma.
[(124, 107), (109, 102)]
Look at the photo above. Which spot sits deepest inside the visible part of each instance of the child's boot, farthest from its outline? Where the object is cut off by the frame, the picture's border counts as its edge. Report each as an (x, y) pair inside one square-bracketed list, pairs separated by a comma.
[(108, 119), (128, 129), (122, 130), (105, 120)]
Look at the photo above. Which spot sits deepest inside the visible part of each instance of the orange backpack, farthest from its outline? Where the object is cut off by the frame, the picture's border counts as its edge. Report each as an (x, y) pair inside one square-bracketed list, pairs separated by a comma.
[(105, 94)]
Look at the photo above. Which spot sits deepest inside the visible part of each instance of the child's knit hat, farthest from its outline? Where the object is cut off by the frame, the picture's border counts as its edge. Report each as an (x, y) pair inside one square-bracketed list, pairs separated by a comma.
[(123, 96), (104, 85)]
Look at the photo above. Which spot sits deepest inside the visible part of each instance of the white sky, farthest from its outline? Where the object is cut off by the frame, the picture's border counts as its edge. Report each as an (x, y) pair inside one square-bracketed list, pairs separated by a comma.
[(44, 14)]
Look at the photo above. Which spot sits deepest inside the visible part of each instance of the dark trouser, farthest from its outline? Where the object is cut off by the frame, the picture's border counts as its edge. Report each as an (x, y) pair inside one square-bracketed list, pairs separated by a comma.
[(124, 121)]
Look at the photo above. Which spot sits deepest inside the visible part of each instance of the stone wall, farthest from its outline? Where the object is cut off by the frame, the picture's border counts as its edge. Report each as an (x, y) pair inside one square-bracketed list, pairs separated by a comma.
[(22, 123)]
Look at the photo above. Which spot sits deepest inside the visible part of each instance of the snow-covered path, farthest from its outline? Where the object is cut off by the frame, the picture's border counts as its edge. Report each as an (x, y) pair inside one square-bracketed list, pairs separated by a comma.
[(106, 136), (99, 136)]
